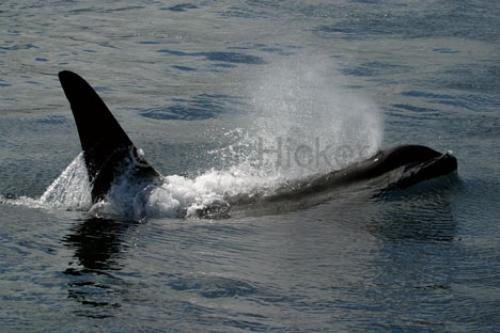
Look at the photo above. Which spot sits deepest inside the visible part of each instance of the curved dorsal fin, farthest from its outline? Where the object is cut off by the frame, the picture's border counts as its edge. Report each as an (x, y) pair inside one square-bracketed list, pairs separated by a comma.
[(100, 134), (104, 143)]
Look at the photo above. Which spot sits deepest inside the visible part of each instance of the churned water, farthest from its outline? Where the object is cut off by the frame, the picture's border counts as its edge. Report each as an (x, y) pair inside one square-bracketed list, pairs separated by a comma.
[(234, 98)]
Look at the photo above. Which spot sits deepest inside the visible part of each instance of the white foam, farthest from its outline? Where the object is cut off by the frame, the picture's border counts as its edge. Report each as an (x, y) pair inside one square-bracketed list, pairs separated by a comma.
[(180, 196)]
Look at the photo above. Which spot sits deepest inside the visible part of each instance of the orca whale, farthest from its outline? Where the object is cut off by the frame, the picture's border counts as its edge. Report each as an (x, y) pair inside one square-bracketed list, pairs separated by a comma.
[(109, 153)]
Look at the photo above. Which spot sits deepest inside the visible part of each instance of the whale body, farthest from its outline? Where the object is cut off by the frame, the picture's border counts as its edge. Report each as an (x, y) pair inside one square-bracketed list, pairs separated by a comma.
[(109, 154)]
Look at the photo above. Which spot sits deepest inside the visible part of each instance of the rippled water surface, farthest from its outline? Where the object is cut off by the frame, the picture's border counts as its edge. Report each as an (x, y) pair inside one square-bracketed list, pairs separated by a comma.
[(199, 85)]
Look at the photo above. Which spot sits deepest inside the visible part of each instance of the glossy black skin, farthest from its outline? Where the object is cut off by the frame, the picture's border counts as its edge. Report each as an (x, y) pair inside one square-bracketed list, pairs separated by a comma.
[(108, 151), (415, 164), (106, 147), (418, 163)]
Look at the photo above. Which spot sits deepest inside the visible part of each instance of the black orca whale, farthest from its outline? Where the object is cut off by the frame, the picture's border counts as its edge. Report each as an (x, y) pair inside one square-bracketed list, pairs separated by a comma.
[(109, 153)]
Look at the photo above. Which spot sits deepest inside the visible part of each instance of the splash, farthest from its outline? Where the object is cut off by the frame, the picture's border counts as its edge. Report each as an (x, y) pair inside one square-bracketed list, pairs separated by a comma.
[(304, 122), (177, 196), (71, 190)]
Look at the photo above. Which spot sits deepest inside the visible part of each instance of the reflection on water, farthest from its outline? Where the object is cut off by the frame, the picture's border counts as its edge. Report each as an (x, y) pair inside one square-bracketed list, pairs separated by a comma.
[(98, 243), (98, 247), (414, 266), (421, 213)]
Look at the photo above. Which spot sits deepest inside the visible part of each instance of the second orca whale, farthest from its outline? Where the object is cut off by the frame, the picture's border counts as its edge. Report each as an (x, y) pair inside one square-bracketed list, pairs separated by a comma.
[(110, 154)]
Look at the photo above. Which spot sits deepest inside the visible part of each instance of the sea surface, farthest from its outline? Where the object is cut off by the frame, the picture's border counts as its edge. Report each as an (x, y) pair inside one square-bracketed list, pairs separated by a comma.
[(212, 91)]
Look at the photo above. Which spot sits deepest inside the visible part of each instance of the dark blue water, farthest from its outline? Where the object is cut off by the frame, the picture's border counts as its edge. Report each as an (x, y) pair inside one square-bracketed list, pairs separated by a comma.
[(196, 85)]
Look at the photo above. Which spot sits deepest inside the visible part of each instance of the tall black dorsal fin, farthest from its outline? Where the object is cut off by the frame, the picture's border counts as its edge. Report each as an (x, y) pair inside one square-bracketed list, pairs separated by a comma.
[(100, 134), (104, 143)]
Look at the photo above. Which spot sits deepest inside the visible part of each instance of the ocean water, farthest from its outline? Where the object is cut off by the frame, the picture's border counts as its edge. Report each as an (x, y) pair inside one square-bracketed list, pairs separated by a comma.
[(211, 91)]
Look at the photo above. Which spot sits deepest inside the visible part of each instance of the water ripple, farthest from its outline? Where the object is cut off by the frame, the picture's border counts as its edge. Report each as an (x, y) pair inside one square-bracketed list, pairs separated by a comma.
[(181, 7), (201, 107), (219, 56)]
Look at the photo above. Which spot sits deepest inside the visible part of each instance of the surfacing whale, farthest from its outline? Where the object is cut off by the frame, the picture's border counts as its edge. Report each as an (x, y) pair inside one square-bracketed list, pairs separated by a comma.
[(109, 154)]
